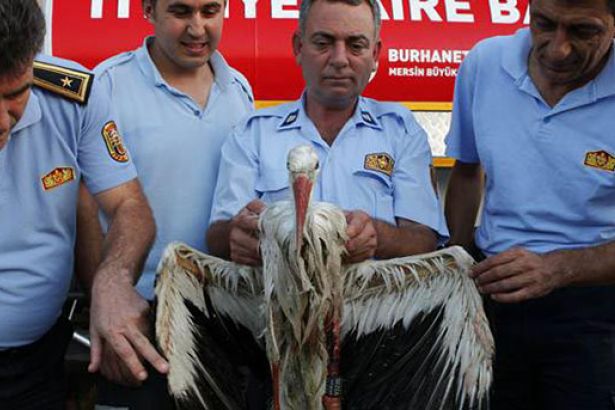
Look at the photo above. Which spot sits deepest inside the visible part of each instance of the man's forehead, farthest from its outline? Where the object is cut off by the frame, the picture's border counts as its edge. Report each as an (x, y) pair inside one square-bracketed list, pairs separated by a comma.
[(359, 19), (189, 3), (13, 82), (564, 5)]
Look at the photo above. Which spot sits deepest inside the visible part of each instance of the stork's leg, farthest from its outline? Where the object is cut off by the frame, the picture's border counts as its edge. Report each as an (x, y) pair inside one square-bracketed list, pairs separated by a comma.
[(332, 400), (275, 376)]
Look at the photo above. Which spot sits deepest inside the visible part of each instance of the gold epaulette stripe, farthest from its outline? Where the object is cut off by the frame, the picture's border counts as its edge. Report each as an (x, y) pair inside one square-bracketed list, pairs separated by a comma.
[(72, 84)]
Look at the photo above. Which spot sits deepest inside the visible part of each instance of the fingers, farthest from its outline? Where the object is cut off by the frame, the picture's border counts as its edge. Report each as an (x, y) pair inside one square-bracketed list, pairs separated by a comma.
[(95, 351), (113, 369), (499, 259), (362, 237), (124, 350), (506, 285), (147, 351), (243, 238), (255, 206)]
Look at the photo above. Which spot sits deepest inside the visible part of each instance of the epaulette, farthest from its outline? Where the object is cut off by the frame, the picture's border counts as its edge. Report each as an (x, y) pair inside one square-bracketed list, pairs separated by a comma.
[(72, 84)]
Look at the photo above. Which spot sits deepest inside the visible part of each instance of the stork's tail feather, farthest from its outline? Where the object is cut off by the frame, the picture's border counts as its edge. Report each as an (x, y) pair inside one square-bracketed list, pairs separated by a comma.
[(395, 295)]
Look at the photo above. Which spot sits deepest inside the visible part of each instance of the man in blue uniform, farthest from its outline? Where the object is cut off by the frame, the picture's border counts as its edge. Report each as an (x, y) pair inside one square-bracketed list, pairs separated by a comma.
[(374, 157), (55, 128), (534, 112), (176, 99)]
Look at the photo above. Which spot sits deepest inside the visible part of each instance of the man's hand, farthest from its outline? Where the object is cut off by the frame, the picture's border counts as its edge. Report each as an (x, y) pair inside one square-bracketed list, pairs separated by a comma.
[(517, 275), (362, 238), (243, 236), (113, 368), (118, 323)]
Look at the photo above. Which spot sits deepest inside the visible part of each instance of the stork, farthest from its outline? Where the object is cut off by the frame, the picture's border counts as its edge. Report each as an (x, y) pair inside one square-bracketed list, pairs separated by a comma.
[(312, 314)]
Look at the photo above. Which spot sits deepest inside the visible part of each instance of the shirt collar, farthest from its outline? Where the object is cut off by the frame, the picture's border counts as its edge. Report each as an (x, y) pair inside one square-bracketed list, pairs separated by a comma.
[(603, 83), (222, 71), (32, 114), (296, 116), (514, 60)]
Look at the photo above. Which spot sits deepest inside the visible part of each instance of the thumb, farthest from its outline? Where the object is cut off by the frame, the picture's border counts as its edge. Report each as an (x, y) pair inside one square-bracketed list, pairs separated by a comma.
[(95, 352)]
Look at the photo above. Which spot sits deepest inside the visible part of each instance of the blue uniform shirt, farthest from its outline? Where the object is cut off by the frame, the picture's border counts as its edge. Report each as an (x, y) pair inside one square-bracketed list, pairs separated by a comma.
[(379, 163), (54, 144), (175, 144), (550, 180)]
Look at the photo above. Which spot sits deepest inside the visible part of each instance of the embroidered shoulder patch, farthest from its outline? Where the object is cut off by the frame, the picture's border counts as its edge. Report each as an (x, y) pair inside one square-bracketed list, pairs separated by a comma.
[(72, 84), (59, 176), (600, 159), (114, 143), (381, 162)]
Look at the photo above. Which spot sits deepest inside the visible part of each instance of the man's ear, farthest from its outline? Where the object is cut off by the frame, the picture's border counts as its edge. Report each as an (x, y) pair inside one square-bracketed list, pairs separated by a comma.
[(297, 46), (377, 50), (148, 10)]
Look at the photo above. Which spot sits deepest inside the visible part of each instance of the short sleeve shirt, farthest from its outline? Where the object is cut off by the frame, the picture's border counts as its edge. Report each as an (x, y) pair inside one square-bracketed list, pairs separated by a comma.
[(379, 163), (55, 143), (550, 171), (175, 143)]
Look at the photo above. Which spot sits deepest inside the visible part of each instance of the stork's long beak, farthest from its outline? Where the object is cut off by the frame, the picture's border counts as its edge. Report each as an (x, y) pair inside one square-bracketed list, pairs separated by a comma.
[(302, 189)]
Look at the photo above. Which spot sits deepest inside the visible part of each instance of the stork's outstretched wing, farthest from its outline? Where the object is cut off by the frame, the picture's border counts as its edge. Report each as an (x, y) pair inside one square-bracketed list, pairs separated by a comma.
[(209, 312), (415, 335)]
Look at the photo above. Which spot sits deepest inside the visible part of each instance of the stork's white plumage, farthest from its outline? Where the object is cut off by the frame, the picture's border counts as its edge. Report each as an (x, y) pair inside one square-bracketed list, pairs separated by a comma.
[(305, 301)]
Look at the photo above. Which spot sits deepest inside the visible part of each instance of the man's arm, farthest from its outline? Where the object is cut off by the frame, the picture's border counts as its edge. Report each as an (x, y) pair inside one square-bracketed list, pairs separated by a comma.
[(368, 237), (463, 196), (88, 254), (90, 237), (517, 274), (117, 310)]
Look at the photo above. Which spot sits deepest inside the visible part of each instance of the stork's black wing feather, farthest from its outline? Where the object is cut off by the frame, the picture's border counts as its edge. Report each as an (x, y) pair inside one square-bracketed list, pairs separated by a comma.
[(397, 369)]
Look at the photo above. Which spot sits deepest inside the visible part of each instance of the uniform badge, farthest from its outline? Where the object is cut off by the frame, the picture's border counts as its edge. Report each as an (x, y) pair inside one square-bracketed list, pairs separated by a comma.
[(57, 177), (290, 118), (381, 162), (367, 117), (600, 159), (114, 143)]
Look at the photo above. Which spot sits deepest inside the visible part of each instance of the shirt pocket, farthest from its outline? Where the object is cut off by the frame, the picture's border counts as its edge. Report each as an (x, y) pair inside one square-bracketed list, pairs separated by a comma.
[(377, 197), (272, 185)]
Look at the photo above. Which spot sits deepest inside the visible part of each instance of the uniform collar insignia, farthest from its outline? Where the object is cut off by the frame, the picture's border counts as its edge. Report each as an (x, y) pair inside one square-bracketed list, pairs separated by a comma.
[(379, 162), (290, 118), (367, 118), (601, 160)]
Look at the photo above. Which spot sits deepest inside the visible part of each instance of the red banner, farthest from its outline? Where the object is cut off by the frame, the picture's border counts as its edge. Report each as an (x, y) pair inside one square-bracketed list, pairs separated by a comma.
[(424, 41)]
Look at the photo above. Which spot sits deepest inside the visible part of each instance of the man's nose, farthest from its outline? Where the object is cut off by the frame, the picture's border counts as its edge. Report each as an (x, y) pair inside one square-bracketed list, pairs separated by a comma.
[(339, 54), (196, 28), (560, 46), (5, 117)]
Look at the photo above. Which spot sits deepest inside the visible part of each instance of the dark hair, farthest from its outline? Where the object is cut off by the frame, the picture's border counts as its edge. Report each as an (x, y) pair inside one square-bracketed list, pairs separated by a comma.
[(22, 33), (373, 5), (612, 6), (152, 2)]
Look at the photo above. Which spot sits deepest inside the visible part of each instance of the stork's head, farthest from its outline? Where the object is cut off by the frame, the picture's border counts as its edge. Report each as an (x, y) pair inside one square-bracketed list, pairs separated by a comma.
[(302, 169)]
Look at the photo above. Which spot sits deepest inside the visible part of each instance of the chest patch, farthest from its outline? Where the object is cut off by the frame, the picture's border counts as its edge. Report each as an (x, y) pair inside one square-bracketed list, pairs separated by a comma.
[(114, 143), (600, 159), (57, 177), (381, 162)]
